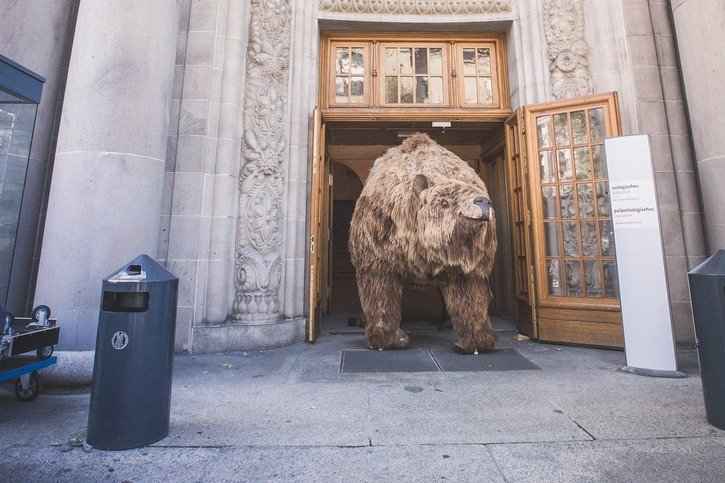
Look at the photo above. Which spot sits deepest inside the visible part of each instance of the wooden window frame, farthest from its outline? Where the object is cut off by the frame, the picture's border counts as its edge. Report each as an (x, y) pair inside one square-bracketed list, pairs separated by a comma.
[(367, 73), (495, 83), (453, 107), (445, 74)]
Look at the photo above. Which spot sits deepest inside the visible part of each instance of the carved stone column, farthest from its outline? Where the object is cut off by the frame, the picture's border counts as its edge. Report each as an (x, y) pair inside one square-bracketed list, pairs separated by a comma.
[(258, 266), (568, 50)]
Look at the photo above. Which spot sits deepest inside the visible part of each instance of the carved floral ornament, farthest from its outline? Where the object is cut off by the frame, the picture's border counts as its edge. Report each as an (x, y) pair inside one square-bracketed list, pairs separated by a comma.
[(421, 7), (567, 48), (258, 265)]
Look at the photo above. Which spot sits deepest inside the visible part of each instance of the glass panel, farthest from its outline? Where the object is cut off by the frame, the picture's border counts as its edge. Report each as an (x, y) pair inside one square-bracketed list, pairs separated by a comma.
[(561, 128), (573, 278), (17, 121), (421, 89), (611, 283), (571, 238), (342, 65), (483, 61), (341, 90), (582, 163), (597, 128), (551, 232), (600, 163), (590, 241), (606, 234), (554, 276), (406, 61), (357, 86), (568, 207), (546, 159), (391, 90), (485, 95), (603, 200), (358, 61), (435, 61), (593, 278), (391, 61), (548, 196), (435, 90), (469, 61), (565, 167), (586, 200), (470, 90), (421, 61), (543, 129), (579, 127), (406, 90)]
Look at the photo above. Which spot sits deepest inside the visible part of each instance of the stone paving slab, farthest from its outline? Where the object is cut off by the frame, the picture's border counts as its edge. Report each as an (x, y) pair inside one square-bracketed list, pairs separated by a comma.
[(290, 414)]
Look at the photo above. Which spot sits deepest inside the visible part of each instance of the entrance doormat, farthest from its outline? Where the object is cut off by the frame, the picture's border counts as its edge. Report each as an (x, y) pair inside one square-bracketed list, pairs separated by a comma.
[(432, 360)]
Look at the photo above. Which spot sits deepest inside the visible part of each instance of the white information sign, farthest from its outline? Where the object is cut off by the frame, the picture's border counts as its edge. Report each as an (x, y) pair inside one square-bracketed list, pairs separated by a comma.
[(648, 341)]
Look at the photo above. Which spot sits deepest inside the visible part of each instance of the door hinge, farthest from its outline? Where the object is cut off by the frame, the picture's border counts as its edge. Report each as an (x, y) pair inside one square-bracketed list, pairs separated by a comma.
[(330, 180), (528, 223), (312, 244)]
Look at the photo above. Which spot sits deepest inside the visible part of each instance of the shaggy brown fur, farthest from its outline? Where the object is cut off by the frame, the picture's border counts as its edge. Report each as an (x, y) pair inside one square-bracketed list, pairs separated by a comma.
[(420, 219)]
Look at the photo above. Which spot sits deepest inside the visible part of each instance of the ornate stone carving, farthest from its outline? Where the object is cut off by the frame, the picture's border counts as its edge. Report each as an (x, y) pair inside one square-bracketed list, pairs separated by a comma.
[(258, 265), (568, 50), (420, 7)]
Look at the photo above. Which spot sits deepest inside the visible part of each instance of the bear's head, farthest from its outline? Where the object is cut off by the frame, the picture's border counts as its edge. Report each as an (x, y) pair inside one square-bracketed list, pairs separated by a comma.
[(455, 221)]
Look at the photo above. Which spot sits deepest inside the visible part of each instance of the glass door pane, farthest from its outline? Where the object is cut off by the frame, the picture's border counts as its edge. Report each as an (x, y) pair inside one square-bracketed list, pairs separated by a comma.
[(17, 120)]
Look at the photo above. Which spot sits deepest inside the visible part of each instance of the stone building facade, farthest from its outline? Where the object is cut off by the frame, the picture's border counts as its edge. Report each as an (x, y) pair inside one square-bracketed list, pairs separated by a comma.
[(184, 129)]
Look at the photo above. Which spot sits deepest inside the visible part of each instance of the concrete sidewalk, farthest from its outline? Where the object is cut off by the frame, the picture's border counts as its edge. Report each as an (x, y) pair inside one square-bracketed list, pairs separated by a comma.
[(290, 414)]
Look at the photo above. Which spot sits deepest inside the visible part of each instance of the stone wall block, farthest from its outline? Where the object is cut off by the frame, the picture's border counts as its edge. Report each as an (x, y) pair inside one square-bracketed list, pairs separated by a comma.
[(186, 272), (193, 117), (637, 18), (672, 235), (184, 324), (200, 48), (228, 157), (190, 153), (196, 81), (683, 323), (203, 15), (187, 194), (666, 192), (676, 118), (184, 238), (651, 117), (224, 187), (647, 83)]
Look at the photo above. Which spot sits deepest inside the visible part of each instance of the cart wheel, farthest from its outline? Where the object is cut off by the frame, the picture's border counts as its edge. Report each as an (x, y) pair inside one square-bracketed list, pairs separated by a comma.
[(32, 390), (45, 352), (37, 311)]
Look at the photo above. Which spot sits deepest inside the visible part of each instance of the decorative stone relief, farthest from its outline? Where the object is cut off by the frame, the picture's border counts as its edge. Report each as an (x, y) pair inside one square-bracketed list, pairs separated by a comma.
[(258, 265), (568, 49), (422, 7)]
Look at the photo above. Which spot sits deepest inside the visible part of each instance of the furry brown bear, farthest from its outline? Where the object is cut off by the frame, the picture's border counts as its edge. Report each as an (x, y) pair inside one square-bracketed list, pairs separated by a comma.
[(424, 217)]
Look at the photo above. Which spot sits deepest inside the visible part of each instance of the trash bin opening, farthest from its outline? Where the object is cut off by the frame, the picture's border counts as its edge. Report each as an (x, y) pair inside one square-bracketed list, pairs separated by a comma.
[(125, 301)]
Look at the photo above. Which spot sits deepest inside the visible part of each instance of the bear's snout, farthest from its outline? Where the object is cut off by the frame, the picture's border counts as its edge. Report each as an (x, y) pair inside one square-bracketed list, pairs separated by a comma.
[(481, 209)]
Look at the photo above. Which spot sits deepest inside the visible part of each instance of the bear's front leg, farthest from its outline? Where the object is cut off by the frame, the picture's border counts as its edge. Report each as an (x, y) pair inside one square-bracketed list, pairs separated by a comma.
[(381, 296), (467, 299)]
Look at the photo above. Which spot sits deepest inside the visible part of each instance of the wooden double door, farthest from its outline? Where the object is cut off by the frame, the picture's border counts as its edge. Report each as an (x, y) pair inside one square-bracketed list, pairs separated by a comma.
[(561, 236)]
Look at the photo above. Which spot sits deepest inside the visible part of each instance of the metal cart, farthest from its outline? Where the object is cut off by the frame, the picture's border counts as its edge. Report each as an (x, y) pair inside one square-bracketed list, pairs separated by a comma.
[(20, 335)]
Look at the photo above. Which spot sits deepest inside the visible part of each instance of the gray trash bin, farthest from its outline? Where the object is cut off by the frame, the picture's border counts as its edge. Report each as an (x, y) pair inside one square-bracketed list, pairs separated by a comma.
[(131, 387), (707, 291)]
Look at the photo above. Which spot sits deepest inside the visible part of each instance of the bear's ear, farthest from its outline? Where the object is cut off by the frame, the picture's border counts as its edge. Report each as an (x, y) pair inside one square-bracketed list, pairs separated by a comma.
[(420, 183)]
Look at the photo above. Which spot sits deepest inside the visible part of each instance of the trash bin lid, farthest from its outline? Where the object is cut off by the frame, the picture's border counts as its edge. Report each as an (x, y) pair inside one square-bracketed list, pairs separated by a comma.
[(715, 265), (143, 268)]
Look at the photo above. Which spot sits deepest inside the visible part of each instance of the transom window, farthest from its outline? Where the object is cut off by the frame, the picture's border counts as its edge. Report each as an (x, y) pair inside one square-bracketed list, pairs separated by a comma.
[(406, 71)]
